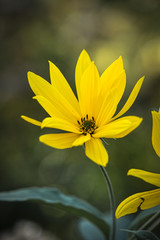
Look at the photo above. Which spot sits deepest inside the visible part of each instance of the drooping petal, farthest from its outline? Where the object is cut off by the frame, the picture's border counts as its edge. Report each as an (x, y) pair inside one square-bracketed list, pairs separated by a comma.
[(81, 139), (143, 200), (131, 98), (114, 77), (31, 120), (95, 150), (42, 88), (60, 124), (59, 81), (118, 128), (153, 178), (156, 131), (60, 140), (88, 94), (82, 64)]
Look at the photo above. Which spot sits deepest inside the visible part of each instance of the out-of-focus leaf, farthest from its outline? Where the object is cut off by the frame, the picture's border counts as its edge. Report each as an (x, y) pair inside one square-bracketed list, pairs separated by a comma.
[(144, 235), (143, 216), (121, 223), (89, 231), (59, 200)]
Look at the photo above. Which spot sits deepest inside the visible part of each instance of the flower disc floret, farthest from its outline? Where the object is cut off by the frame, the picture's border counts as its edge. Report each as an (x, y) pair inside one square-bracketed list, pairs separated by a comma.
[(87, 125)]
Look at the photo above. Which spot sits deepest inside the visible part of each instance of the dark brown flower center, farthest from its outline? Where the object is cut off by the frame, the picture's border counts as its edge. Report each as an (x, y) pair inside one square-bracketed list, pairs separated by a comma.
[(87, 125)]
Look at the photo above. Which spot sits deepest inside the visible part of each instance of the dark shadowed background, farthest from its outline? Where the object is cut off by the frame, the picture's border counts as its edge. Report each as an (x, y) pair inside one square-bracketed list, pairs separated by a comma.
[(33, 32)]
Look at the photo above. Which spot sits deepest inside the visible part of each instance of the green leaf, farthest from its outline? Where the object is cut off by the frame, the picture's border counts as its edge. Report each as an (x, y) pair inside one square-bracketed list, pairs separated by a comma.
[(89, 231), (121, 223), (59, 200), (143, 216), (143, 235)]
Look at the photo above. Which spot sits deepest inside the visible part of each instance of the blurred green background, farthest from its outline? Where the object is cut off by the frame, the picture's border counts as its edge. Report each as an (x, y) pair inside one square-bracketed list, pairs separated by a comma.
[(33, 32)]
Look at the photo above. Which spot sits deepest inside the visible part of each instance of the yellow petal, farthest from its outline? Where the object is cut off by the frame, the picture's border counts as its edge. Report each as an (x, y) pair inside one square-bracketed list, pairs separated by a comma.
[(89, 86), (60, 124), (118, 128), (47, 105), (55, 110), (106, 109), (59, 81), (31, 120), (82, 64), (143, 200), (156, 131), (131, 98), (60, 140), (151, 199), (112, 78), (42, 88), (153, 178), (95, 150), (120, 85), (81, 139)]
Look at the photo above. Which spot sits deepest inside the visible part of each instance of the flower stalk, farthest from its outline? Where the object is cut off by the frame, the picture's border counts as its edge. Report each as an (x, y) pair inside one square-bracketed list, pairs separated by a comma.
[(149, 225), (112, 202)]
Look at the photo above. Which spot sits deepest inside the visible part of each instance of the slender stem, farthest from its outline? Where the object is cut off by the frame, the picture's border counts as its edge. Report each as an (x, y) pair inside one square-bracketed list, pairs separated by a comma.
[(150, 220), (153, 221), (112, 202)]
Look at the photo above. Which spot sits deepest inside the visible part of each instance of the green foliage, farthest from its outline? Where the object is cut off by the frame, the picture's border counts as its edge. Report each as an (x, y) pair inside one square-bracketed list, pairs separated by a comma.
[(144, 215), (144, 235), (94, 224), (59, 200), (88, 231)]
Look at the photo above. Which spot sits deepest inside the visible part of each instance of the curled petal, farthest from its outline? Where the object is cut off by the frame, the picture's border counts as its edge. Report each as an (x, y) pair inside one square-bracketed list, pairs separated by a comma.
[(152, 178), (156, 131), (142, 200), (95, 150)]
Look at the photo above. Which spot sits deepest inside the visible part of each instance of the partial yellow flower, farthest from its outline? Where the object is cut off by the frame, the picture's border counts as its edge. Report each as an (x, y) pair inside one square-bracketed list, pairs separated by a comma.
[(156, 131), (143, 200), (90, 117)]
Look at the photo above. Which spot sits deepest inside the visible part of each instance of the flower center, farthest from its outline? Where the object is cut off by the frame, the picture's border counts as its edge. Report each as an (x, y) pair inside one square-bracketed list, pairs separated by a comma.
[(86, 125)]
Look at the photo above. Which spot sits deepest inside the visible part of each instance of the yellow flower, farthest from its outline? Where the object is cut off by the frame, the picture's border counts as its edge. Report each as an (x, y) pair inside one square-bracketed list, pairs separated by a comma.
[(147, 199), (142, 200), (156, 131), (89, 118)]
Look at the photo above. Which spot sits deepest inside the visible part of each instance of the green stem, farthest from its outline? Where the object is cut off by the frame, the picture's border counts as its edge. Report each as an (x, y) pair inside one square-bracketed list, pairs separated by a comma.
[(151, 221), (112, 202)]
